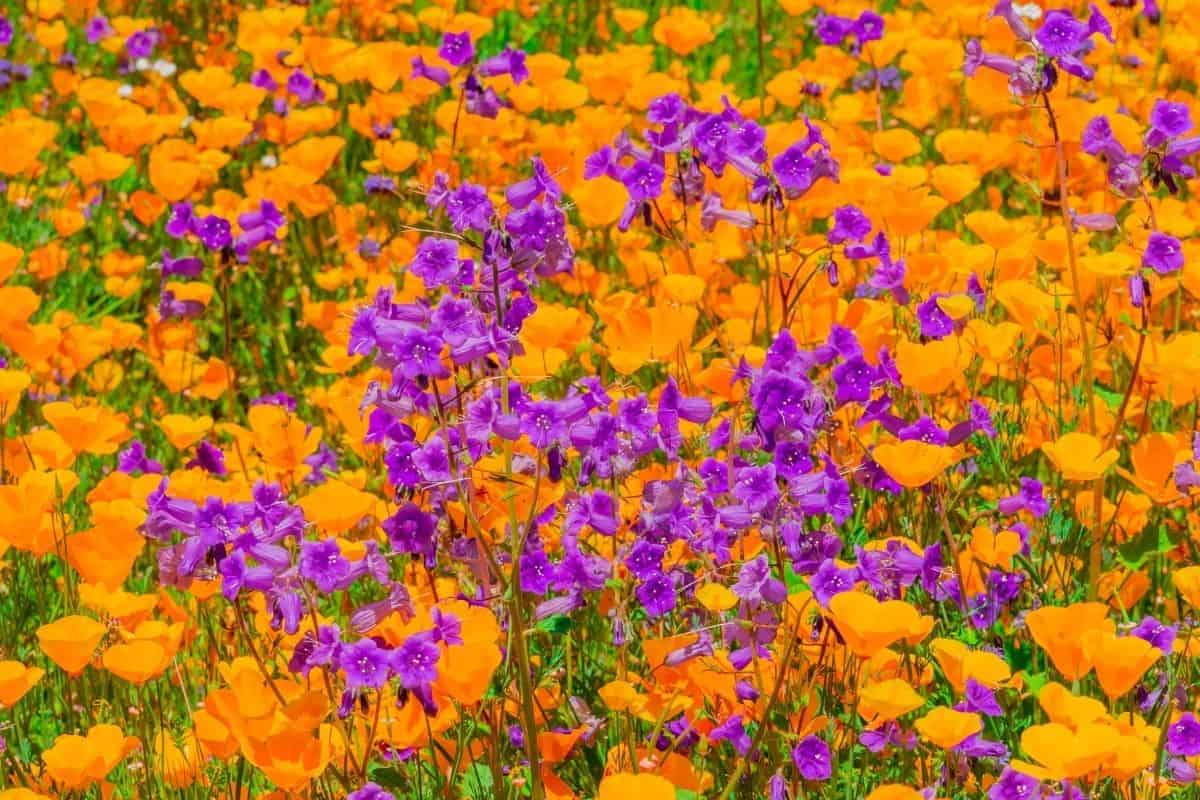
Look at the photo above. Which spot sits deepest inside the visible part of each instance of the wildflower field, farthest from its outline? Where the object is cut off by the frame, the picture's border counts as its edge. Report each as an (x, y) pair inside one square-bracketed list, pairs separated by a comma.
[(404, 400)]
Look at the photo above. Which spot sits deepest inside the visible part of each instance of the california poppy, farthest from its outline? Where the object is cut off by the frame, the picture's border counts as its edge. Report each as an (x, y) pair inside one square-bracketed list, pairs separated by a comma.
[(71, 641)]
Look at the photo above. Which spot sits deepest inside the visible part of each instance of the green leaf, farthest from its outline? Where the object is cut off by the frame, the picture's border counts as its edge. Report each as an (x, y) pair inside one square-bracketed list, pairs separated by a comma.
[(1152, 540), (557, 625), (388, 777), (476, 783)]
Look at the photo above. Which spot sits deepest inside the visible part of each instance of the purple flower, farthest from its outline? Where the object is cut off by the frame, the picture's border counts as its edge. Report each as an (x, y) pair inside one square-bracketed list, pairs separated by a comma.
[(6, 32), (832, 29), (379, 184), (733, 730), (179, 224), (924, 430), (808, 550), (140, 44), (854, 379), (1186, 476), (712, 212), (657, 594), (1061, 34), (304, 88), (209, 458), (185, 266), (470, 208), (1183, 736), (1138, 287), (446, 627), (236, 574), (521, 194), (371, 791), (456, 48), (510, 62), (133, 459), (754, 487), (1156, 633), (480, 100), (215, 232), (96, 29), (411, 530), (1030, 498), (415, 661), (365, 664), (1163, 254), (1015, 785), (644, 181), (795, 170), (323, 564), (1094, 222), (830, 579), (439, 75), (849, 224), (935, 323), (1167, 120), (981, 699), (976, 57), (813, 759), (755, 583), (436, 262), (543, 423), (171, 308), (868, 27), (1182, 771)]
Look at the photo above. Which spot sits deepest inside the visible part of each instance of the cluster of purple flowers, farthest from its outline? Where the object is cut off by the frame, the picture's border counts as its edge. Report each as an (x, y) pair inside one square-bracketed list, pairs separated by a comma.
[(259, 227), (1162, 162), (833, 30), (714, 141), (245, 545), (850, 230), (300, 88), (458, 50), (1163, 158), (1060, 43), (12, 72), (888, 78)]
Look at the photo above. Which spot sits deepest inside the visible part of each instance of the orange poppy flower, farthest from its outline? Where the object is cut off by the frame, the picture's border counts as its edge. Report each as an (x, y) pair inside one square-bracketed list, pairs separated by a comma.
[(15, 680), (914, 463), (958, 663), (1063, 754), (946, 727), (643, 786), (137, 661), (1120, 661), (895, 791), (1080, 456), (90, 429), (335, 506), (1060, 632), (74, 762), (71, 641), (868, 625), (1069, 709), (1187, 581), (888, 700)]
